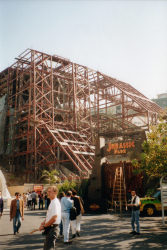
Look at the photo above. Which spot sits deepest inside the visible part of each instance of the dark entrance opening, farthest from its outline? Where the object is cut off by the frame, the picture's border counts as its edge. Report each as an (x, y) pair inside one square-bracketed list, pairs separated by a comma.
[(118, 180)]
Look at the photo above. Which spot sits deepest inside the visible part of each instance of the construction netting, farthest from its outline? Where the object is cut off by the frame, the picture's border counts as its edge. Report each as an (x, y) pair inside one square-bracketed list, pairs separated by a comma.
[(6, 135), (3, 111)]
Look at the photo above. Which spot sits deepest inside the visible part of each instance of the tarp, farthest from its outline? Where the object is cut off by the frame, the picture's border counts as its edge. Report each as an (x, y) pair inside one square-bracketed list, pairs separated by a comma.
[(6, 127), (5, 192), (3, 111), (9, 149)]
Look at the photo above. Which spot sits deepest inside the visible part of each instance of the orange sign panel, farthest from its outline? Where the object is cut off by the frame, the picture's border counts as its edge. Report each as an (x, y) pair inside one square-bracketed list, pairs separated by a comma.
[(120, 147), (38, 188)]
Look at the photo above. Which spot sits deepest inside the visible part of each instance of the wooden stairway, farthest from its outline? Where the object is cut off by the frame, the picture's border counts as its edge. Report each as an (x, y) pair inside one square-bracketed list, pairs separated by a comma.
[(119, 199), (76, 147)]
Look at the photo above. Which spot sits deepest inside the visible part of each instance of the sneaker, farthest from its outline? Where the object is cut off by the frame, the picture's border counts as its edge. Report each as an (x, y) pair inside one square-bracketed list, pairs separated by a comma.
[(78, 234), (68, 242), (133, 232), (73, 236), (137, 233)]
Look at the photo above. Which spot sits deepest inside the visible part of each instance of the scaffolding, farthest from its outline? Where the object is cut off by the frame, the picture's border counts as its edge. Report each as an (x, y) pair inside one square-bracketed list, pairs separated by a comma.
[(57, 108)]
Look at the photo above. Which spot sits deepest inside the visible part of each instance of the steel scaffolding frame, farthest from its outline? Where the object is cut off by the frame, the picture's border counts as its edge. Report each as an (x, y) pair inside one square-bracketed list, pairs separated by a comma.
[(58, 108)]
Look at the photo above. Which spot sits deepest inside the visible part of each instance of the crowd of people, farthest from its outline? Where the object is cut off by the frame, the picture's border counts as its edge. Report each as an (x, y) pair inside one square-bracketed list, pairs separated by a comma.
[(60, 217), (33, 199), (64, 210)]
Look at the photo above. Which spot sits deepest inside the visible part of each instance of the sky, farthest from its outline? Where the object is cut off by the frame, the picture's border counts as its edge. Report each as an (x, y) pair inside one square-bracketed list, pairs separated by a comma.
[(125, 39)]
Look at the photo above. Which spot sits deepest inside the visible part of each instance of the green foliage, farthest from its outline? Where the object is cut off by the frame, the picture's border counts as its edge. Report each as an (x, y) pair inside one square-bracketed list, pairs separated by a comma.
[(150, 192), (81, 187), (67, 185), (51, 177), (153, 160), (12, 177)]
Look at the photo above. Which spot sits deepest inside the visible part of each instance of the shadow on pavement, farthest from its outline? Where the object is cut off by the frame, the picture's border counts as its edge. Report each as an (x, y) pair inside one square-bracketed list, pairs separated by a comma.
[(5, 234), (25, 242), (103, 231)]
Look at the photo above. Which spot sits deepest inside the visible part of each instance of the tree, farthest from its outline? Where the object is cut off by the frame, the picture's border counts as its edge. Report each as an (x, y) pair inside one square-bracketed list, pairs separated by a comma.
[(50, 177), (153, 160)]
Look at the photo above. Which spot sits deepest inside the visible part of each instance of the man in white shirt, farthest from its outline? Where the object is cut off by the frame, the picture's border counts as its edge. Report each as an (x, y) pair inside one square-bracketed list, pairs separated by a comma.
[(53, 219), (135, 205)]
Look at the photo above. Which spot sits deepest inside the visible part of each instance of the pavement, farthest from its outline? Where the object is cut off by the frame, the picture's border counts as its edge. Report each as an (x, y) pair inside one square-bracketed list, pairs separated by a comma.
[(98, 231)]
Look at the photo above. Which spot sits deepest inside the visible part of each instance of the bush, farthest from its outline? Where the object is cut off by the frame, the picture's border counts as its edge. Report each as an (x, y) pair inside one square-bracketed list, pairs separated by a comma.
[(66, 185)]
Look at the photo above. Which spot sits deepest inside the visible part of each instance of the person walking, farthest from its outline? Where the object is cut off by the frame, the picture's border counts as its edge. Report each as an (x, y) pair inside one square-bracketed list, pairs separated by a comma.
[(52, 221), (25, 200), (45, 199), (66, 205), (48, 202), (17, 212), (34, 199), (29, 201), (76, 224), (40, 196), (60, 196), (1, 204), (135, 206)]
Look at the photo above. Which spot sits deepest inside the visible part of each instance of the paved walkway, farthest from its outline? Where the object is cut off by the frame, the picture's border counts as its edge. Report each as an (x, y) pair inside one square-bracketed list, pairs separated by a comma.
[(104, 231)]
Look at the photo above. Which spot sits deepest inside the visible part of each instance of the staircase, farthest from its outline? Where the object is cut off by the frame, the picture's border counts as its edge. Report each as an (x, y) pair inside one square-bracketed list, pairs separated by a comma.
[(76, 148), (119, 199)]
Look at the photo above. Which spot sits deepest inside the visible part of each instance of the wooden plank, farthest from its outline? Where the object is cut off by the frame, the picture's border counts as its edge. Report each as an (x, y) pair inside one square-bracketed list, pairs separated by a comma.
[(83, 153)]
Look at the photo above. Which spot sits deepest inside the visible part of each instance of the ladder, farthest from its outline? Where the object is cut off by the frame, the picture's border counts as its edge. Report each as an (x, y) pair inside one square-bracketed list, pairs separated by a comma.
[(119, 199)]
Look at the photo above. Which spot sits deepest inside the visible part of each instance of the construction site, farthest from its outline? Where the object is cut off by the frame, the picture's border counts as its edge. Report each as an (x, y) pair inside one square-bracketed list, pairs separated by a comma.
[(53, 112)]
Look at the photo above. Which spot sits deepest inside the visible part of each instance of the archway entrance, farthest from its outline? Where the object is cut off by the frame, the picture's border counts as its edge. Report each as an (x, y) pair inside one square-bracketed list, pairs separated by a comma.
[(118, 179)]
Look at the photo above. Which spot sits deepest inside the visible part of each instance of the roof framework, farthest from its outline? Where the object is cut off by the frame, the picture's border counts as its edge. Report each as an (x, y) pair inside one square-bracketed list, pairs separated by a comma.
[(59, 106)]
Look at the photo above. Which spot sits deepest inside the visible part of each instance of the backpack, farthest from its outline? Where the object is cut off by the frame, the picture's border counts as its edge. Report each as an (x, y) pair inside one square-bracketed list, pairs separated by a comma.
[(73, 213)]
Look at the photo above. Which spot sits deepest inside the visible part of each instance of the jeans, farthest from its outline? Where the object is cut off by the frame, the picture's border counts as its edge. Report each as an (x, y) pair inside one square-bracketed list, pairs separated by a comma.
[(29, 203), (61, 228), (135, 220), (40, 204), (66, 226), (50, 238), (17, 222), (33, 202), (46, 207)]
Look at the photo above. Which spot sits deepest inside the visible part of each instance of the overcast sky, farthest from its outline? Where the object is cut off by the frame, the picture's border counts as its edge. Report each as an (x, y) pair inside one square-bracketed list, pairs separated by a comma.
[(125, 39)]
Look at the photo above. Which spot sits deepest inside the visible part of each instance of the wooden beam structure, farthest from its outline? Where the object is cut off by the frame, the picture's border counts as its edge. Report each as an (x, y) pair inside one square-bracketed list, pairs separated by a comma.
[(57, 107)]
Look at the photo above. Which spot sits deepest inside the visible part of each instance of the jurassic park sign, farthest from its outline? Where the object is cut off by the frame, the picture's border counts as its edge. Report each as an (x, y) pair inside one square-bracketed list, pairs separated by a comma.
[(38, 188), (120, 147)]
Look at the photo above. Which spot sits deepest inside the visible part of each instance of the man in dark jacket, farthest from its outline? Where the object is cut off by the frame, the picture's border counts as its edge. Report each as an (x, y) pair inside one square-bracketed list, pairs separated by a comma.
[(1, 204)]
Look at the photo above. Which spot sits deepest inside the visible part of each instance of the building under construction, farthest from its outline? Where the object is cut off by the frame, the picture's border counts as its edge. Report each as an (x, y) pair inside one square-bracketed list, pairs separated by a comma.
[(53, 110)]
